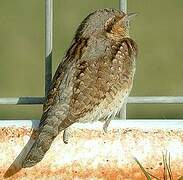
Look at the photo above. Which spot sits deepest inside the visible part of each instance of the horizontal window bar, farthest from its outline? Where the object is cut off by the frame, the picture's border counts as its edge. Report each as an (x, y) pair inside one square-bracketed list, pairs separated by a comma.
[(22, 100), (155, 100), (131, 100)]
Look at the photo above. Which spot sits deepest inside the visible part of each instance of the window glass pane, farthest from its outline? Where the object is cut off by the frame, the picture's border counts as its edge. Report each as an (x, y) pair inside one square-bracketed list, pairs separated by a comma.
[(21, 48), (158, 32), (155, 111), (20, 111)]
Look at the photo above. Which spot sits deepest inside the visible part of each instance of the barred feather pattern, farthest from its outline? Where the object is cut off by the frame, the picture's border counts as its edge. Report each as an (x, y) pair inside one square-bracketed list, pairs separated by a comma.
[(91, 83)]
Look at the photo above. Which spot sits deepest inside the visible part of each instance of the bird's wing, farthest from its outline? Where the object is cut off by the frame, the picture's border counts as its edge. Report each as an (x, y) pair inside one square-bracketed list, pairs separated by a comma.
[(96, 78), (93, 78)]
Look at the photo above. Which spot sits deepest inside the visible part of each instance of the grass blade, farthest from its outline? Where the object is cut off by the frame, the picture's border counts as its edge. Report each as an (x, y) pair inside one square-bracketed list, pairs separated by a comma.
[(143, 170), (169, 167)]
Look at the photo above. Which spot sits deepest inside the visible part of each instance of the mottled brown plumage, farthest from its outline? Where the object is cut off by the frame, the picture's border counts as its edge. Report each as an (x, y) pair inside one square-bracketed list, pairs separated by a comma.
[(93, 80)]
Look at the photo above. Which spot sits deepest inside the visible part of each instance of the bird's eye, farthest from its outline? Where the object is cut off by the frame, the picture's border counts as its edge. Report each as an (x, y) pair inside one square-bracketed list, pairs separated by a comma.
[(127, 24), (110, 23)]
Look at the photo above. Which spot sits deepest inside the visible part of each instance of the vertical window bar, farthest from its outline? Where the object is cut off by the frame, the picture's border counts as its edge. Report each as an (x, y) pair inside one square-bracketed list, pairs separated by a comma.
[(48, 43), (123, 7)]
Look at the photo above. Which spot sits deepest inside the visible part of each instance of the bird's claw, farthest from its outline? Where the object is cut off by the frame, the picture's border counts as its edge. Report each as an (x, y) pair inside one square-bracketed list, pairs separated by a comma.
[(66, 136), (106, 124)]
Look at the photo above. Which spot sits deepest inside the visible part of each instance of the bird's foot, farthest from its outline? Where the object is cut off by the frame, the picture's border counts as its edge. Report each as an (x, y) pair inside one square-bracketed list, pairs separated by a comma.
[(106, 124), (66, 136)]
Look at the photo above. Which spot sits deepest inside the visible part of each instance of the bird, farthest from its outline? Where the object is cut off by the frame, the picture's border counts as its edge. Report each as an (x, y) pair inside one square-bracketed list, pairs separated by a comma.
[(93, 80)]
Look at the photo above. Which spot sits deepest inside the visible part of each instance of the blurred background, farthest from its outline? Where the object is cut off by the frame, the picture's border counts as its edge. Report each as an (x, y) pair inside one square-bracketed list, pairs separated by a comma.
[(158, 31)]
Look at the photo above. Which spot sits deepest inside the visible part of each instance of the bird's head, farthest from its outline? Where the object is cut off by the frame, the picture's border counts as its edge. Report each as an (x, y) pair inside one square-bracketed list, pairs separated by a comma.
[(110, 22)]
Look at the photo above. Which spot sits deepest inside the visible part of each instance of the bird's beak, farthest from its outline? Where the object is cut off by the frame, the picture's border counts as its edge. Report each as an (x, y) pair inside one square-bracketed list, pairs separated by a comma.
[(129, 16)]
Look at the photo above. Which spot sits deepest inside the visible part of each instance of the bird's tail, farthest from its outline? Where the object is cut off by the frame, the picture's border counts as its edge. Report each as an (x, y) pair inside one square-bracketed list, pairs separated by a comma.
[(47, 134)]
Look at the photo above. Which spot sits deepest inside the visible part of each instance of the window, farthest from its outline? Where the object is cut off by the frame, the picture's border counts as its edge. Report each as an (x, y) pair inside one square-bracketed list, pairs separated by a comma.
[(159, 64)]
